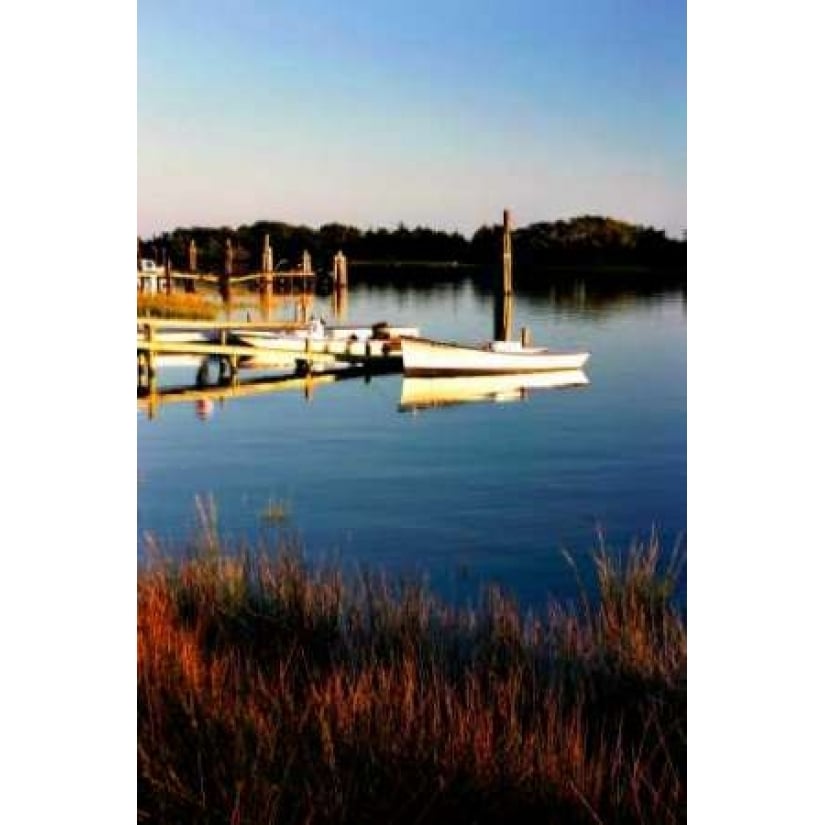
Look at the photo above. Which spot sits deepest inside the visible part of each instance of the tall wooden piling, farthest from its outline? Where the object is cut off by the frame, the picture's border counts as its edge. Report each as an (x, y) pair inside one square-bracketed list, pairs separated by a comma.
[(306, 268), (228, 260), (229, 257), (503, 320), (189, 283), (265, 305), (339, 270), (266, 257), (507, 257), (503, 299), (266, 280)]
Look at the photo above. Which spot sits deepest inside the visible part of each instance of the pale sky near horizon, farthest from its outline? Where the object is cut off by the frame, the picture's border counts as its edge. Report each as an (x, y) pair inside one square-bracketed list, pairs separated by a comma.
[(437, 113)]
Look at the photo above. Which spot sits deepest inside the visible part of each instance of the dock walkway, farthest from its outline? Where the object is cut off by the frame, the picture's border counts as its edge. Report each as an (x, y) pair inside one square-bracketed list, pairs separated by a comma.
[(219, 341)]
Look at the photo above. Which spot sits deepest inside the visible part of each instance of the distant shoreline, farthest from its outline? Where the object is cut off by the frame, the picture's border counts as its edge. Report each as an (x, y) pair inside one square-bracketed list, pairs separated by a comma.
[(587, 243)]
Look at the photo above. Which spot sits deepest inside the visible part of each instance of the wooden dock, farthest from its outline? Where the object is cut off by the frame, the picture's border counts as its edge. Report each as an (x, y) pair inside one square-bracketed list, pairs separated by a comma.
[(223, 347), (155, 277)]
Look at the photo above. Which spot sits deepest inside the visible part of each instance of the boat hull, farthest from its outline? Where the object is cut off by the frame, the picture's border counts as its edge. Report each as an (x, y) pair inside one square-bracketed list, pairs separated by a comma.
[(424, 358), (285, 351)]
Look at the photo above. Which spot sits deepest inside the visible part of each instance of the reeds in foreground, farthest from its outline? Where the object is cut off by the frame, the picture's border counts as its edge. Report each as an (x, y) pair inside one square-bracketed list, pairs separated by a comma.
[(270, 690)]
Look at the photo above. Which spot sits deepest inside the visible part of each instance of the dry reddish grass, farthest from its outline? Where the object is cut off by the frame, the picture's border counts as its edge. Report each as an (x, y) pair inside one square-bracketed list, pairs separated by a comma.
[(269, 691), (177, 305)]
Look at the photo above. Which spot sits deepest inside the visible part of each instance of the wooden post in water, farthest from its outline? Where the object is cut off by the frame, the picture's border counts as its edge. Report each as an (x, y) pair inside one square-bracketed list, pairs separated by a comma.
[(507, 257), (503, 298), (526, 337), (306, 268), (265, 282), (228, 257), (226, 290), (265, 306), (193, 266), (339, 270), (503, 321)]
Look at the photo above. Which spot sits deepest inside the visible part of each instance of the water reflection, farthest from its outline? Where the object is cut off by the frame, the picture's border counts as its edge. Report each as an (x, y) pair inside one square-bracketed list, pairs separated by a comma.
[(428, 393), (354, 467), (567, 294), (203, 398), (416, 393), (204, 407)]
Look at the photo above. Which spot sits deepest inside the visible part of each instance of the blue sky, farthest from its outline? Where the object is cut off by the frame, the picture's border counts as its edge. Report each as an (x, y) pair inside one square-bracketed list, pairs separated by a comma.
[(434, 113)]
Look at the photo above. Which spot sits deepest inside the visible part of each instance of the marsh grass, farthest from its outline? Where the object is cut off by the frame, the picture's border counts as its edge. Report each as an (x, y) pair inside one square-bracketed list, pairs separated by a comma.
[(177, 305), (272, 690)]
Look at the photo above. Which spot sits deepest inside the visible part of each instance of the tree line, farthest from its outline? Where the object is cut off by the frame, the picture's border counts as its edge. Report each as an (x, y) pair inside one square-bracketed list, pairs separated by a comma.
[(580, 242)]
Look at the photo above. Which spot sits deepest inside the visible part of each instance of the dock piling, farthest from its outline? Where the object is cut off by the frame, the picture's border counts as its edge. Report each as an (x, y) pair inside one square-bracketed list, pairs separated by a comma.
[(507, 256), (266, 280), (339, 270)]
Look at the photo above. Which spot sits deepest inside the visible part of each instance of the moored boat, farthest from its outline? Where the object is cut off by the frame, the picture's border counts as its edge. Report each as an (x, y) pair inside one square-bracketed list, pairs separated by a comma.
[(290, 339), (362, 333), (423, 357), (349, 343)]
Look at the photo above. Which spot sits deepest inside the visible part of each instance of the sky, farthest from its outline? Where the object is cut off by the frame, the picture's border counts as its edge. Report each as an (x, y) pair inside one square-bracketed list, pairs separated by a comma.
[(438, 113)]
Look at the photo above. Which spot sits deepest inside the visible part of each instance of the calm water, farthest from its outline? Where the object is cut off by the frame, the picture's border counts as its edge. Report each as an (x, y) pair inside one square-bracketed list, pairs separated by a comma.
[(465, 494)]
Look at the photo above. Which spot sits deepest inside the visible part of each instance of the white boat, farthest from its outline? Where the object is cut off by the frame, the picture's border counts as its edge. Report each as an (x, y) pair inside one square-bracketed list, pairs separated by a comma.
[(425, 393), (423, 357), (345, 342), (361, 333), (341, 332)]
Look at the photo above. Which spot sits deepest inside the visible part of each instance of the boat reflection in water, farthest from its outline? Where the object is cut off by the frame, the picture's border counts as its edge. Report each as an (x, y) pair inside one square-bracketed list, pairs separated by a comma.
[(427, 393), (416, 393)]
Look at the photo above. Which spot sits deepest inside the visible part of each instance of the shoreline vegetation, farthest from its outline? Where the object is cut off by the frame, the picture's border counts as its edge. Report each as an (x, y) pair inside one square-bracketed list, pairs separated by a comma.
[(176, 306), (275, 690), (600, 248)]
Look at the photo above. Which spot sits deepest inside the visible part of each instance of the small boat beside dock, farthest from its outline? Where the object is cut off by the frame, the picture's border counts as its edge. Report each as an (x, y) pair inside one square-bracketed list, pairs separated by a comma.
[(295, 348), (348, 343), (423, 357)]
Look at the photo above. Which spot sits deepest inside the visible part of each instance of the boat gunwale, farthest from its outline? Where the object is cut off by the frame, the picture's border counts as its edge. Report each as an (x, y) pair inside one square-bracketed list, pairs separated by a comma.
[(531, 353)]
